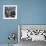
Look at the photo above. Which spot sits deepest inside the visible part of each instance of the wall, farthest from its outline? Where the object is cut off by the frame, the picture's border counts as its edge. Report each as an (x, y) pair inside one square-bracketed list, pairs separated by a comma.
[(34, 12), (7, 26), (28, 12)]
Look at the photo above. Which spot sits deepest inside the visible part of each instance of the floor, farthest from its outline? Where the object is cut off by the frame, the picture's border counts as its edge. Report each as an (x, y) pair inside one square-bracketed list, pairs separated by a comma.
[(7, 45)]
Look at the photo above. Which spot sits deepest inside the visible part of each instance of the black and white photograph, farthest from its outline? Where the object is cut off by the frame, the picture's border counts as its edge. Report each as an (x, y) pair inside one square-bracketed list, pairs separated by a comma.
[(9, 11), (31, 34)]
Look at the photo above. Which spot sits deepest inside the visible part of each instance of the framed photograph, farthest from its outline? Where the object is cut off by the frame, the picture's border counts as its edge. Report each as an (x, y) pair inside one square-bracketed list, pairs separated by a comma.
[(9, 11)]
